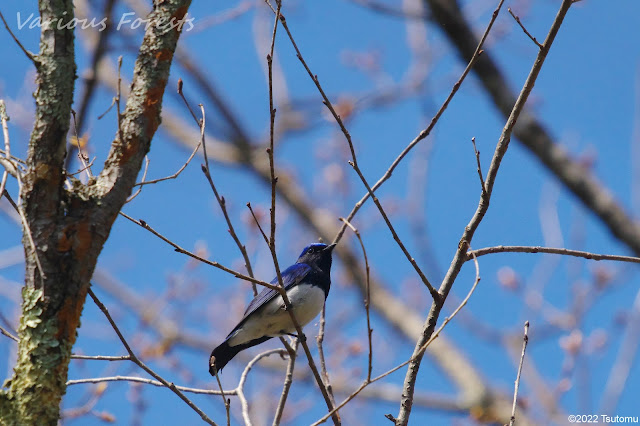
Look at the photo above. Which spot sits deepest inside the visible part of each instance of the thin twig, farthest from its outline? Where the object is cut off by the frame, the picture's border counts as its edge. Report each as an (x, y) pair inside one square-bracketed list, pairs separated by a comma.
[(27, 229), (368, 296), (148, 382), (551, 250), (323, 363), (475, 149), (14, 158), (455, 312), (220, 199), (83, 169), (9, 167), (4, 332), (100, 49), (243, 379), (102, 357), (180, 92), (113, 102), (517, 385), (524, 29), (416, 355), (173, 176), (179, 249), (288, 381), (225, 400), (83, 158), (31, 56), (142, 365), (272, 121), (424, 133), (7, 144), (117, 100), (255, 219), (354, 163), (144, 178)]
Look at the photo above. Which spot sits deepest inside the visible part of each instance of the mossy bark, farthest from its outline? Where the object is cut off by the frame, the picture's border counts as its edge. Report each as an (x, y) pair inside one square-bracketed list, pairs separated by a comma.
[(70, 226)]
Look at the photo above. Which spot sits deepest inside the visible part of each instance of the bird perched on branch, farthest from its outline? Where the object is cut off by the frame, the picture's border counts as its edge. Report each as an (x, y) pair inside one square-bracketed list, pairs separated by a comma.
[(307, 283)]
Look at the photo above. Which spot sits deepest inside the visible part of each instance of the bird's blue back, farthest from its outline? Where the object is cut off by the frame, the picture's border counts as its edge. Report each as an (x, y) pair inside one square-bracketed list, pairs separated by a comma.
[(291, 276)]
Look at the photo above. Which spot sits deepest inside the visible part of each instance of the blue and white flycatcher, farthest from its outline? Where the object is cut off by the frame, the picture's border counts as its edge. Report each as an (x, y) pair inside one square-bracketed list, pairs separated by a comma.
[(307, 283)]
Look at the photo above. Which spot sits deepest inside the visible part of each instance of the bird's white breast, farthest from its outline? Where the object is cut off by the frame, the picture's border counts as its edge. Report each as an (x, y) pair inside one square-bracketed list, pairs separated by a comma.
[(273, 320)]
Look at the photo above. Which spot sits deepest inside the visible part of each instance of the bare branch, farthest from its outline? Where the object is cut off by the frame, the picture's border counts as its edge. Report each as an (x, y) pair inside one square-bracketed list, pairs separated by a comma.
[(531, 132), (4, 332), (427, 131), (551, 250), (136, 379), (517, 385), (220, 199), (323, 363), (142, 365), (368, 297), (524, 29), (11, 168), (173, 176), (243, 379), (27, 229), (78, 144), (7, 145), (102, 357), (92, 78), (32, 57), (354, 163), (225, 401), (460, 255), (416, 355), (144, 177), (444, 352), (179, 249), (255, 219), (272, 239), (484, 190), (288, 381)]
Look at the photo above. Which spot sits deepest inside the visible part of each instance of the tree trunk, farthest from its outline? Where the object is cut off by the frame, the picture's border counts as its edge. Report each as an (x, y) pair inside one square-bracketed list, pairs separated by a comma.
[(69, 225)]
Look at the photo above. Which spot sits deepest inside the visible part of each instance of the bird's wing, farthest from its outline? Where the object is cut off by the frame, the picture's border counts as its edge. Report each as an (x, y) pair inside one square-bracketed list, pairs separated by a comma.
[(290, 277)]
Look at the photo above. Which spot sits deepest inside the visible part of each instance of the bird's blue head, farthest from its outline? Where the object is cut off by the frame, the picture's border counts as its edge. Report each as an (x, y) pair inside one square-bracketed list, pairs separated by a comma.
[(317, 254)]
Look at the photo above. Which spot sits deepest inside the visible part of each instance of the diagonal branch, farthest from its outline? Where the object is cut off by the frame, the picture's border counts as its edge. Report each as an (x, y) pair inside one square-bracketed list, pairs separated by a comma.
[(525, 341), (356, 167), (29, 55), (530, 131), (134, 358), (460, 255)]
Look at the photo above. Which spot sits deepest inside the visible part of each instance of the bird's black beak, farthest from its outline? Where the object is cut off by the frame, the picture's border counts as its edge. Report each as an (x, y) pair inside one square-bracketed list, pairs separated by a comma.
[(330, 247)]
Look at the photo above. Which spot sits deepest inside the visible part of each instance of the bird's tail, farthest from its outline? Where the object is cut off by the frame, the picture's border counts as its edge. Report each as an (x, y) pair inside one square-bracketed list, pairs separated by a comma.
[(221, 355)]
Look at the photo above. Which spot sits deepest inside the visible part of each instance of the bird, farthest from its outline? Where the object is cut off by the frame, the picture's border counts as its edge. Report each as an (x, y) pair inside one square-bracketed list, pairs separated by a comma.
[(307, 283)]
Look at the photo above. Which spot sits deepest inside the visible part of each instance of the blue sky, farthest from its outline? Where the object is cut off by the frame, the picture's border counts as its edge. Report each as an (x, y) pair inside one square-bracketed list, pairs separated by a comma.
[(586, 96)]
